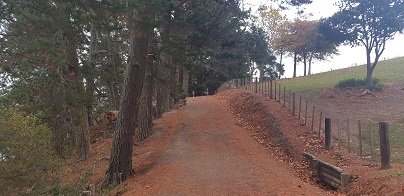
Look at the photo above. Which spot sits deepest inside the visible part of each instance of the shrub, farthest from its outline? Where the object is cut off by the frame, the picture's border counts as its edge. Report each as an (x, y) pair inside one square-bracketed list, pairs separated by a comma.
[(354, 82), (27, 160)]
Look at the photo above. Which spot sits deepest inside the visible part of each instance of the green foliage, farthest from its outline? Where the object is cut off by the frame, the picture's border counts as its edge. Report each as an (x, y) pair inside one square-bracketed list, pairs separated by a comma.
[(365, 23), (354, 82), (27, 159)]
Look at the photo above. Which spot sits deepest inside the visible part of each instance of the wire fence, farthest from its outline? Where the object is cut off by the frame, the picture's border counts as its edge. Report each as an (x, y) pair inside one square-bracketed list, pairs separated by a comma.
[(366, 138)]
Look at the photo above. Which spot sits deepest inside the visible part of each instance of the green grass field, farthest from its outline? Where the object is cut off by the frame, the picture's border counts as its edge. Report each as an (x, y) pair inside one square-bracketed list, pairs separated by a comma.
[(388, 71)]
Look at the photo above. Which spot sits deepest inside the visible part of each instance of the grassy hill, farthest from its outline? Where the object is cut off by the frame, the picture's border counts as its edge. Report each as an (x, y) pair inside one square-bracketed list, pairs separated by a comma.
[(388, 71)]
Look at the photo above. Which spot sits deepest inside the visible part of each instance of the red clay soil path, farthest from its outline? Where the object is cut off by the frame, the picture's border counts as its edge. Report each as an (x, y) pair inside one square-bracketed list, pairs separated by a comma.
[(210, 154)]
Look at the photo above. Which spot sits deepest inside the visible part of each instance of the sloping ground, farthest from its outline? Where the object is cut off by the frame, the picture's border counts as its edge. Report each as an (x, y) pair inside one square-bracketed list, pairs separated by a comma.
[(254, 110), (184, 156)]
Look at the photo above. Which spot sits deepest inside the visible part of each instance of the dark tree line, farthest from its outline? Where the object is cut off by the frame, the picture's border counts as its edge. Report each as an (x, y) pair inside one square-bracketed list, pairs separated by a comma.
[(68, 61)]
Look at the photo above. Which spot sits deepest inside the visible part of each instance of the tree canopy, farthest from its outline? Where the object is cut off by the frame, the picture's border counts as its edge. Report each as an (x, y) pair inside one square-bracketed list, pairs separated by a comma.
[(368, 23)]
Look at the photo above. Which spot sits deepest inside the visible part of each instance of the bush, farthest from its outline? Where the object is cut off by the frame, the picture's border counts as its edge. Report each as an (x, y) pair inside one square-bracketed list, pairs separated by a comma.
[(354, 82), (27, 160)]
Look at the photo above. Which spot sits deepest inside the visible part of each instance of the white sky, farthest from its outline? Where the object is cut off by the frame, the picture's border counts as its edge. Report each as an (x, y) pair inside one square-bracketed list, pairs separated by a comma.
[(348, 56)]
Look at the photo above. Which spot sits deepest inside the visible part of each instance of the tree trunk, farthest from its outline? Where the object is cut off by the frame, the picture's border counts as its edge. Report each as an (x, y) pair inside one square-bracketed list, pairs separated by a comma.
[(159, 92), (294, 64), (114, 82), (185, 80), (90, 79), (280, 62), (261, 69), (60, 127), (120, 165), (78, 112), (145, 107), (305, 63), (310, 60), (369, 70)]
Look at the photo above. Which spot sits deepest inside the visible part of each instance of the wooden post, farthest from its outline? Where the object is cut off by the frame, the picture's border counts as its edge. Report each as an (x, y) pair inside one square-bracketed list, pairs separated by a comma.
[(279, 97), (256, 84), (300, 106), (328, 133), (360, 138), (349, 135), (270, 89), (305, 114), (275, 91), (339, 135), (384, 145), (289, 99), (319, 125), (312, 119), (262, 87), (243, 81), (265, 87), (294, 104), (284, 96), (371, 142)]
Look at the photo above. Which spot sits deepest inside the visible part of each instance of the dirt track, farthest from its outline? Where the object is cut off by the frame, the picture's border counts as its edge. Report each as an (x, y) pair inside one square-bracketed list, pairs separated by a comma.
[(210, 154)]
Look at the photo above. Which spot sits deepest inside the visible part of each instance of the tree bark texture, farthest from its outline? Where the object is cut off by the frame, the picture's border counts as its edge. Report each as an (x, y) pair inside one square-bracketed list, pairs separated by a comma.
[(120, 166), (145, 108), (59, 125)]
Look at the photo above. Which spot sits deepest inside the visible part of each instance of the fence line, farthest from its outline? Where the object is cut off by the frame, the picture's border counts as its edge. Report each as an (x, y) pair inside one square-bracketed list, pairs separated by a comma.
[(340, 137)]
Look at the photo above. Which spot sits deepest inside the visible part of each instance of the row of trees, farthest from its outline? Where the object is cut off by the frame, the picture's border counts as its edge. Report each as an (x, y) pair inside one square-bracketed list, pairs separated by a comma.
[(299, 38), (368, 23), (66, 62)]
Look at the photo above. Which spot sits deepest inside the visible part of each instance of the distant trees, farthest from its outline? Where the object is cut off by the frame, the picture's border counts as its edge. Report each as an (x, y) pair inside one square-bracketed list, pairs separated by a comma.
[(300, 38), (306, 42), (367, 23)]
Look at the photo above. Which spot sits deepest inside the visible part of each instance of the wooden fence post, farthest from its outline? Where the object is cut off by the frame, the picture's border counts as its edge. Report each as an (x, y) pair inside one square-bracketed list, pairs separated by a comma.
[(294, 104), (256, 84), (312, 119), (319, 124), (371, 142), (339, 135), (384, 145), (300, 107), (327, 133), (270, 89), (305, 114), (360, 138), (262, 87), (284, 96), (275, 91), (349, 135), (289, 99), (279, 99)]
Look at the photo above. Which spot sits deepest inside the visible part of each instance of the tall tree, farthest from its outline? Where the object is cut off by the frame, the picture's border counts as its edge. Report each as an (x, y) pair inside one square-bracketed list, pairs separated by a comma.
[(120, 165), (275, 25), (368, 23), (41, 45)]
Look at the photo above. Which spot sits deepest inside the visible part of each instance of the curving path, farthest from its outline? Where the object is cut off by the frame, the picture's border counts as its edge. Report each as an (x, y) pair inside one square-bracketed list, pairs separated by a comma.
[(210, 154)]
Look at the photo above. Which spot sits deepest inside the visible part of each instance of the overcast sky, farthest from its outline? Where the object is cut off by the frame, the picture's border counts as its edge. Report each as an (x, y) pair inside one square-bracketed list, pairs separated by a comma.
[(348, 56)]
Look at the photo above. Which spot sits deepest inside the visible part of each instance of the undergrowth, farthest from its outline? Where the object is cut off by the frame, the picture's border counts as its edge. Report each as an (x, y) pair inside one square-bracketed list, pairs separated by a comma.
[(355, 82)]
